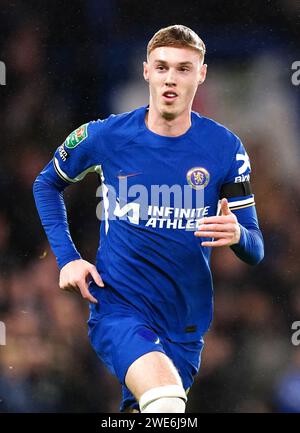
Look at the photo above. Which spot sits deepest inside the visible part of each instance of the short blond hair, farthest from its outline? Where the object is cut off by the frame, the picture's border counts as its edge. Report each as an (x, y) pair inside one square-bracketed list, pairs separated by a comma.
[(176, 36)]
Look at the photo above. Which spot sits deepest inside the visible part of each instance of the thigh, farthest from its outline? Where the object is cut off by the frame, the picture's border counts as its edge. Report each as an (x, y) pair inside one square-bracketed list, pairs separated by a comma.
[(185, 356), (149, 371)]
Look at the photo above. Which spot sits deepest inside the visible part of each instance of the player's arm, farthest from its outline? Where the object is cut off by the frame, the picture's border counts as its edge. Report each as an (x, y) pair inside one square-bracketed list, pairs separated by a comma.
[(237, 228), (72, 160)]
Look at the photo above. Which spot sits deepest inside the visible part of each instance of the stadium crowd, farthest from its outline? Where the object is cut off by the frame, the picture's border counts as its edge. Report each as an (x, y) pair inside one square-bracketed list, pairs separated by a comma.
[(62, 72)]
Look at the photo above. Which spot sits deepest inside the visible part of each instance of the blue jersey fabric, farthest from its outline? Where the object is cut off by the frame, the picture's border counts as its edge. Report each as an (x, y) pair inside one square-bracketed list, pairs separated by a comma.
[(148, 256)]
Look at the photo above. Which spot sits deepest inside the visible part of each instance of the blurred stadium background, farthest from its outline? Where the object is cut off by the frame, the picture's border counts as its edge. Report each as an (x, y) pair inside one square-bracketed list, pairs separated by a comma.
[(69, 64)]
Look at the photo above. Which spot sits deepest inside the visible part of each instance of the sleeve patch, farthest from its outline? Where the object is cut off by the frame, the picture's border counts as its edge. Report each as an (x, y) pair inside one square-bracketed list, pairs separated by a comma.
[(76, 137)]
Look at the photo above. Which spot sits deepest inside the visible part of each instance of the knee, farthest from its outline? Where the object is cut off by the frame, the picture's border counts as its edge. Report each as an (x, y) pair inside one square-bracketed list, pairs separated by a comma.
[(165, 405), (163, 399)]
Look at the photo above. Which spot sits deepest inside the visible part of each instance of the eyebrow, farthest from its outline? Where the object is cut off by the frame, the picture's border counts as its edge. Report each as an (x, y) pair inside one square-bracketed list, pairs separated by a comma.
[(180, 63)]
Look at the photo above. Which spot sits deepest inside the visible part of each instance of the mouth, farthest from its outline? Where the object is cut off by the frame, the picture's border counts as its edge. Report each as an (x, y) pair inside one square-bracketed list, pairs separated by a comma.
[(169, 95)]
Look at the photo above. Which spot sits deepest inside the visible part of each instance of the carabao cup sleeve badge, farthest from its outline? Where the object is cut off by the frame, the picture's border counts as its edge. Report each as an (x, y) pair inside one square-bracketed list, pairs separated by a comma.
[(198, 177), (76, 137)]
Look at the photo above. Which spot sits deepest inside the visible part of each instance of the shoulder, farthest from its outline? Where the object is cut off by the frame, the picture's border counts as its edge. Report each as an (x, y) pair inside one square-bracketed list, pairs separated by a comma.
[(217, 132), (116, 125)]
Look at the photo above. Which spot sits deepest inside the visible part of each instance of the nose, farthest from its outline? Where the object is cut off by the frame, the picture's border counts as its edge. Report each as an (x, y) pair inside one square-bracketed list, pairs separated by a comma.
[(170, 78)]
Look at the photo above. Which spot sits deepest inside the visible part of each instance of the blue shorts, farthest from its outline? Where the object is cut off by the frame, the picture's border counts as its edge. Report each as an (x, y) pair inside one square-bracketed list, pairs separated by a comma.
[(121, 336)]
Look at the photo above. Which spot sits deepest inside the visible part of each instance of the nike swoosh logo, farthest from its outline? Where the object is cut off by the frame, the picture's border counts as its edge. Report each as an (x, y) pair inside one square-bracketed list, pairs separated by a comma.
[(124, 176), (157, 341)]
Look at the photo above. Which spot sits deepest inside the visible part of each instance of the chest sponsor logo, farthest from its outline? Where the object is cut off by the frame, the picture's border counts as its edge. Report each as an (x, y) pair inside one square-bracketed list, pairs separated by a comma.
[(158, 206), (162, 217)]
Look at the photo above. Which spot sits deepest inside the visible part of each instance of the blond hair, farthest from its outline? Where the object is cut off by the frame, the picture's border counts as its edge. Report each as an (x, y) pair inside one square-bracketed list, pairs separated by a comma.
[(176, 36)]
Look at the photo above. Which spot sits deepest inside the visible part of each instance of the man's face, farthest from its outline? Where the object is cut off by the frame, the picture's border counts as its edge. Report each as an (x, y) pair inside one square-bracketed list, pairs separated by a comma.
[(174, 75)]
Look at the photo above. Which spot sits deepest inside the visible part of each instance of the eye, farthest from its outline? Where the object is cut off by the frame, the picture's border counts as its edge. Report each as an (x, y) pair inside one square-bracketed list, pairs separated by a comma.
[(184, 69), (160, 67)]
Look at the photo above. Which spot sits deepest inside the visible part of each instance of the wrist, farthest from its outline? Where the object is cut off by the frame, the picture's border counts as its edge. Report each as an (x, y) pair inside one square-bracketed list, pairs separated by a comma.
[(66, 260)]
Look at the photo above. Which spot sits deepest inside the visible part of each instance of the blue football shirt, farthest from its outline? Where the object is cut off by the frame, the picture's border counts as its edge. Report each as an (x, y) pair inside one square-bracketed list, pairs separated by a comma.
[(155, 190)]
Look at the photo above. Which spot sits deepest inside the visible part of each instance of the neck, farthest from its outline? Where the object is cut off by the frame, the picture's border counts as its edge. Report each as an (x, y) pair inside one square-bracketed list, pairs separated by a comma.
[(170, 128)]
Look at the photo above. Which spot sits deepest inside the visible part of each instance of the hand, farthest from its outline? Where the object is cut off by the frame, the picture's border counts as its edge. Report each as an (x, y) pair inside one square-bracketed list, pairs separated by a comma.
[(75, 277), (224, 228)]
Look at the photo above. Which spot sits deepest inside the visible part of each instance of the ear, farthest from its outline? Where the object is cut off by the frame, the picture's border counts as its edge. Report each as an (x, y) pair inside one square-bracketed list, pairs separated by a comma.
[(202, 74), (146, 71)]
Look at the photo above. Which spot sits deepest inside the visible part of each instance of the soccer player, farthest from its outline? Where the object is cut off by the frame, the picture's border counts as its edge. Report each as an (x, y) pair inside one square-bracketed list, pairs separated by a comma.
[(175, 185)]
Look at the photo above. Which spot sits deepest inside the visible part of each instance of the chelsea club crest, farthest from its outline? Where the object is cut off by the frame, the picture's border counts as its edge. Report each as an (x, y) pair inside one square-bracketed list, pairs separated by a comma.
[(198, 177)]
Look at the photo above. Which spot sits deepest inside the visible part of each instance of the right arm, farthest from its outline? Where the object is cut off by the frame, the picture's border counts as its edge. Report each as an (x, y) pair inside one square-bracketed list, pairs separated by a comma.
[(70, 164)]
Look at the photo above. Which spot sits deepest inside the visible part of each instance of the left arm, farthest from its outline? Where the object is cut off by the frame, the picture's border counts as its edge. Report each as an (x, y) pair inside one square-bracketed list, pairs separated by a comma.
[(238, 230)]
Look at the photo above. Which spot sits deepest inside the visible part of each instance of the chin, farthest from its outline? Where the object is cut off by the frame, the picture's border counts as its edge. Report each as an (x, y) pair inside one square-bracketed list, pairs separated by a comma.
[(168, 115)]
